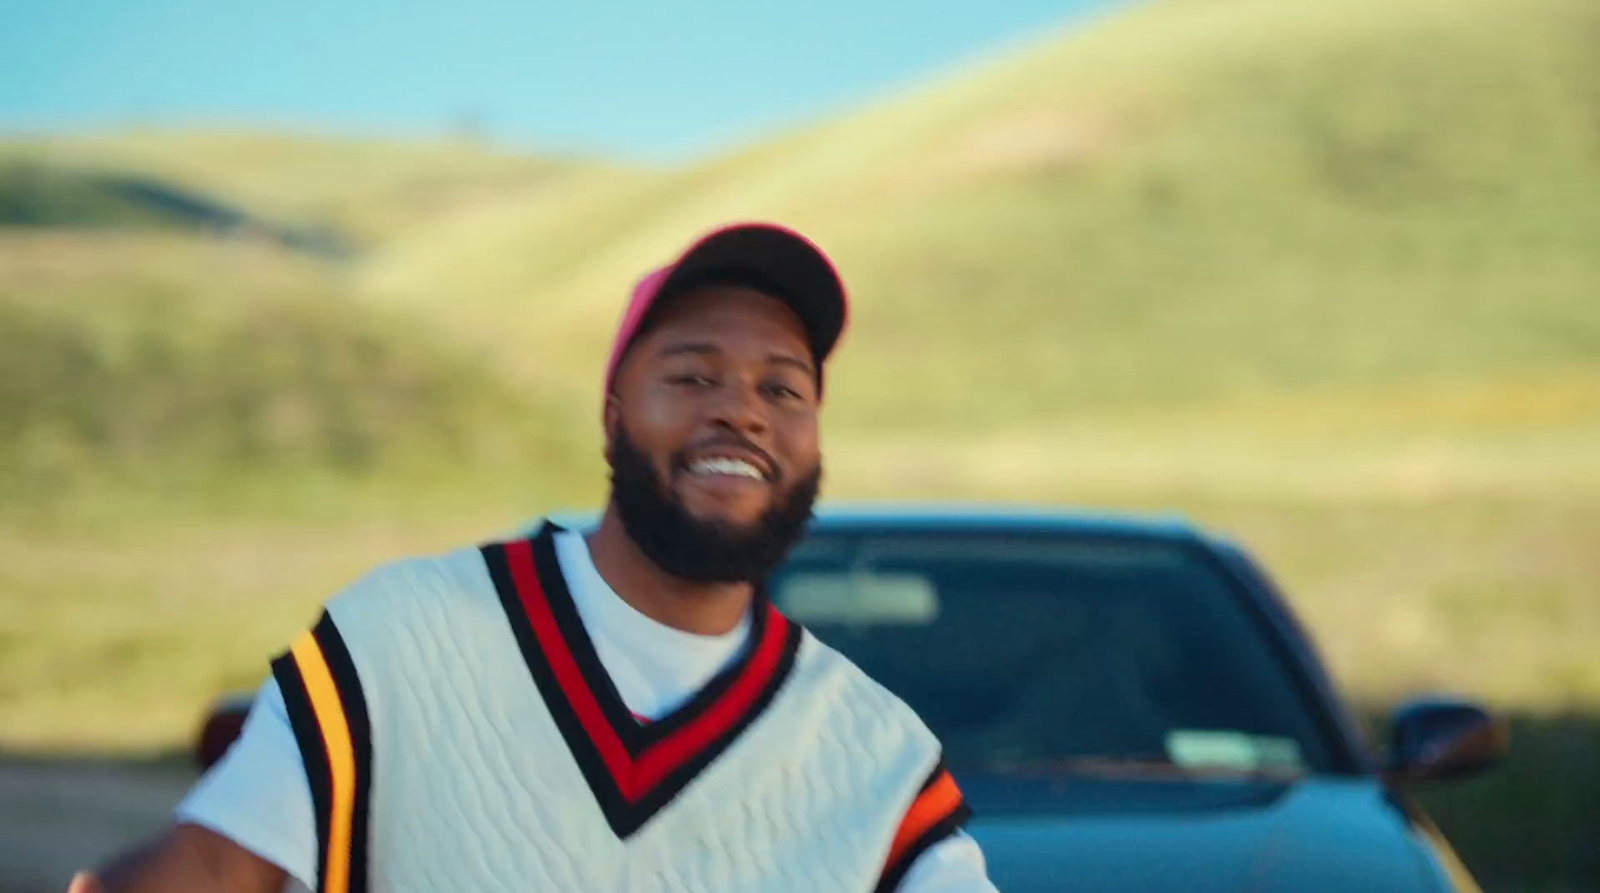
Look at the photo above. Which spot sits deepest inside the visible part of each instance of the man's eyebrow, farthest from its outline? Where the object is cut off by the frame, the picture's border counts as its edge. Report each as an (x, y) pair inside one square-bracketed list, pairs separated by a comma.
[(783, 359), (707, 349), (698, 348)]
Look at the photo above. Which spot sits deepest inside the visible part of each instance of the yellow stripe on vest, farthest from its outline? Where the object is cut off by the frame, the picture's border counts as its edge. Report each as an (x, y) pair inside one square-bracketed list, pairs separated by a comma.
[(341, 758)]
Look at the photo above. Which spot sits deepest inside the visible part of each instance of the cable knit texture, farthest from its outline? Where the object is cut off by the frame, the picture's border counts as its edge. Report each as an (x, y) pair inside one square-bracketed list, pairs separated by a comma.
[(474, 788)]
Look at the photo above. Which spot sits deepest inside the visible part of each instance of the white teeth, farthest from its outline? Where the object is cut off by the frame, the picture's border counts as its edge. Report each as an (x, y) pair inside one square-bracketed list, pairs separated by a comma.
[(719, 465)]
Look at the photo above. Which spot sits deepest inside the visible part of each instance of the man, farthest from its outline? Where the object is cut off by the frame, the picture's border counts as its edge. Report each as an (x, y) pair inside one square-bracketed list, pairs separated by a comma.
[(622, 710)]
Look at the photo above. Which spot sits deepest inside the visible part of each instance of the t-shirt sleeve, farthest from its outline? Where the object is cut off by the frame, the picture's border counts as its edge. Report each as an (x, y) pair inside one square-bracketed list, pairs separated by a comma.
[(953, 865), (930, 853), (257, 794)]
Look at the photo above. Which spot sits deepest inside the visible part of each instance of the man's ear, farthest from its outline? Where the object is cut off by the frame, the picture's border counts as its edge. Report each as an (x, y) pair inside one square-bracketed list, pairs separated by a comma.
[(611, 420)]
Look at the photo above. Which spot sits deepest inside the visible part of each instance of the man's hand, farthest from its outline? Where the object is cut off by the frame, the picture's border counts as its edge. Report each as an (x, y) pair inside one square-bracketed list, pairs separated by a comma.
[(188, 858)]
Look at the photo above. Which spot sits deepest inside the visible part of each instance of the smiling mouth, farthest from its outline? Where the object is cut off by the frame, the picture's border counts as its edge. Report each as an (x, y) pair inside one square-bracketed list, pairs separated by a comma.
[(726, 466)]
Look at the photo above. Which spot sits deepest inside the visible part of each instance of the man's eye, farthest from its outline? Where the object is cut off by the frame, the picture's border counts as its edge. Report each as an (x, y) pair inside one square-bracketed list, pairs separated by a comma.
[(783, 390), (692, 380)]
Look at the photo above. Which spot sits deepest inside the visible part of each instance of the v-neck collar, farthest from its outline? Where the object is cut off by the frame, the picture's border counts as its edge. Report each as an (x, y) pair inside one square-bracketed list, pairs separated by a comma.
[(655, 667), (633, 769)]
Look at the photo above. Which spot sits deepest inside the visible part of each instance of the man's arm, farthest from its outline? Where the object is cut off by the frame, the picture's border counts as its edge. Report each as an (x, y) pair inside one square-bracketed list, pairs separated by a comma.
[(953, 865), (247, 824), (930, 853), (188, 857)]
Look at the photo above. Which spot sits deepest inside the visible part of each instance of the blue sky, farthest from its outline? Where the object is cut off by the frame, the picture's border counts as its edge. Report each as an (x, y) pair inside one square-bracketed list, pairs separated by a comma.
[(626, 78)]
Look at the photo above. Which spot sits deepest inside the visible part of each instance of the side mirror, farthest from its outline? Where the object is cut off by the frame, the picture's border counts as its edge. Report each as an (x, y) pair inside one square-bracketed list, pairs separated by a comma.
[(220, 729), (1438, 739)]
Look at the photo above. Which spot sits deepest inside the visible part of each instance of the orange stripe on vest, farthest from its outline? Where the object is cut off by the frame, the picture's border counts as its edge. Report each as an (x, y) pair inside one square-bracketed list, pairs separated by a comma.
[(935, 804)]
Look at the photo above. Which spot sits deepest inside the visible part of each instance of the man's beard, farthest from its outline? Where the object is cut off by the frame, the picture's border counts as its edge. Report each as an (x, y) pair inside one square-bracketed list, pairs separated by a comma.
[(703, 551)]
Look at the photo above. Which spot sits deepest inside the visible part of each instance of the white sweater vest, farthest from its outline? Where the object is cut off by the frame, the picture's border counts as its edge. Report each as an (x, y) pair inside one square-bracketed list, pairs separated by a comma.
[(460, 735)]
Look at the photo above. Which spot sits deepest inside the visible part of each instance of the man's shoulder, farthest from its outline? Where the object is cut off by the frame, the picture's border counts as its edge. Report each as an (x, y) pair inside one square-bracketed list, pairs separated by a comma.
[(417, 582), (847, 687), (443, 567), (421, 570)]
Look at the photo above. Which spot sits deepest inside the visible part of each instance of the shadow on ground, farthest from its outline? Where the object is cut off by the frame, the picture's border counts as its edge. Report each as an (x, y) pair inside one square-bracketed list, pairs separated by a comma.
[(1530, 826)]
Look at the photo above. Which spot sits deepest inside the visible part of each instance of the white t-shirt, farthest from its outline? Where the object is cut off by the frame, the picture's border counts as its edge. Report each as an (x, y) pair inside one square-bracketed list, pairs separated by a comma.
[(258, 797)]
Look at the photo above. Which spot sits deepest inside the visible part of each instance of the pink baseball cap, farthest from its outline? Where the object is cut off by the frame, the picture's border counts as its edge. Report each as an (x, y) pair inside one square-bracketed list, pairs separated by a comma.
[(775, 259)]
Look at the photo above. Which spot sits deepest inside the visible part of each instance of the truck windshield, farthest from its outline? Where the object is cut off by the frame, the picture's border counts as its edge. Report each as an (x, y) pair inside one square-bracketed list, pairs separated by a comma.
[(1033, 653)]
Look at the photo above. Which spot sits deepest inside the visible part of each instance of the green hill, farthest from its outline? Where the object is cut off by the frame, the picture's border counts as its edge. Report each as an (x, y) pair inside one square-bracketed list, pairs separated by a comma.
[(173, 322), (1282, 236), (198, 369), (367, 189), (36, 194), (1192, 202)]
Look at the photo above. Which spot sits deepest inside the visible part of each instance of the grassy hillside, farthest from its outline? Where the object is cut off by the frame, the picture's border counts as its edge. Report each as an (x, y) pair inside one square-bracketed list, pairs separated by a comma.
[(1194, 200), (37, 192), (35, 195), (195, 368), (1244, 258), (369, 190)]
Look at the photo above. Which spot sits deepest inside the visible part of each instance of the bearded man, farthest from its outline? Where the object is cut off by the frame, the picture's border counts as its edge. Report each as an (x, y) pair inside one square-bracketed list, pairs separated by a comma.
[(621, 709)]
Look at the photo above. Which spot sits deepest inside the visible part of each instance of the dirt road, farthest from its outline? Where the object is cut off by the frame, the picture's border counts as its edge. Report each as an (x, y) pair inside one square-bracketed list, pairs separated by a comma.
[(57, 815)]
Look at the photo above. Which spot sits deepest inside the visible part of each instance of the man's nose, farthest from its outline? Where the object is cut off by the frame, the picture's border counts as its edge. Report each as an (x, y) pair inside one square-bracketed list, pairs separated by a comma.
[(738, 405)]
